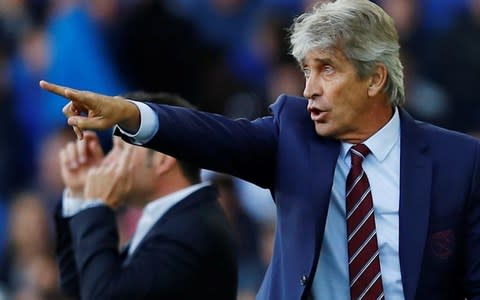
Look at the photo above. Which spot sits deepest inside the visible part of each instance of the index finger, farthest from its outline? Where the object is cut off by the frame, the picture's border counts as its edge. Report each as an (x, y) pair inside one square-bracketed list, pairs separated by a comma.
[(55, 88), (125, 159), (82, 150)]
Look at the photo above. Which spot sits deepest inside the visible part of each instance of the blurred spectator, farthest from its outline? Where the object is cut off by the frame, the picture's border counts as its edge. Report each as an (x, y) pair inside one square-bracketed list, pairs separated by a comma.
[(425, 100), (256, 202), (265, 46), (13, 170), (260, 63), (27, 67), (158, 51), (41, 281), (221, 22), (3, 229), (254, 242), (29, 267), (414, 39), (14, 21), (285, 78), (245, 229), (456, 66), (441, 14), (253, 273), (49, 182)]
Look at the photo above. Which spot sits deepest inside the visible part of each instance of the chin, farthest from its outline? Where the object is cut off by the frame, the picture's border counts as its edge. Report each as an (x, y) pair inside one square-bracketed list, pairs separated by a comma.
[(324, 130)]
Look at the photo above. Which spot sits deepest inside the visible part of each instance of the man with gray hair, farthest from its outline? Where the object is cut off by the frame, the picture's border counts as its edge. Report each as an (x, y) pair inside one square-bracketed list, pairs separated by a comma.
[(371, 204)]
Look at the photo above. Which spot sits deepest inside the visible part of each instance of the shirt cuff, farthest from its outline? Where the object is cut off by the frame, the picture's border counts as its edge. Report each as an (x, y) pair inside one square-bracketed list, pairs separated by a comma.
[(72, 206), (148, 125)]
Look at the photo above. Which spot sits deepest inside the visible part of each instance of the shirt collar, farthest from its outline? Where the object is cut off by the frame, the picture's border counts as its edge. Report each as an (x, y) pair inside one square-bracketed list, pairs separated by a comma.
[(155, 209), (382, 142)]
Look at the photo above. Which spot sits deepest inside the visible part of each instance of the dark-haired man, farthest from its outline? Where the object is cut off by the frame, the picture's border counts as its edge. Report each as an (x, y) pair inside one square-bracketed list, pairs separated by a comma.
[(182, 247)]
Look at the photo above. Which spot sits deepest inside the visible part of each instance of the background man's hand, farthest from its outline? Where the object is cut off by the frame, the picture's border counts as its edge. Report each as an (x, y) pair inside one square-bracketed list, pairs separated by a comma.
[(87, 110), (112, 180), (76, 159)]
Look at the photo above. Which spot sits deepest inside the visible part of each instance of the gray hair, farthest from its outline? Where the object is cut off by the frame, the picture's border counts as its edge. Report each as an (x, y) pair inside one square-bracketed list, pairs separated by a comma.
[(361, 30)]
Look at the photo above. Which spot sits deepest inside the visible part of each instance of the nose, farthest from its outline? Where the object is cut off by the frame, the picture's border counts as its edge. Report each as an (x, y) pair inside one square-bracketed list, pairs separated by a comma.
[(312, 88)]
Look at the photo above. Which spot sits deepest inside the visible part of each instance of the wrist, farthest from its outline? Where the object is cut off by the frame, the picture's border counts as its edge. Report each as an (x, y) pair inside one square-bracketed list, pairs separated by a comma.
[(131, 113)]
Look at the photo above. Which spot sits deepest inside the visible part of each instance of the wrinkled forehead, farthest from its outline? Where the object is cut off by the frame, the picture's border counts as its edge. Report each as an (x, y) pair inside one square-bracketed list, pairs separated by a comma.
[(328, 55)]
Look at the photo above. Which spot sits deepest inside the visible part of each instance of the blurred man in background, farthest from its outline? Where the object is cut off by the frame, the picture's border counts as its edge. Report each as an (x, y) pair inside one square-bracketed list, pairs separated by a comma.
[(182, 247)]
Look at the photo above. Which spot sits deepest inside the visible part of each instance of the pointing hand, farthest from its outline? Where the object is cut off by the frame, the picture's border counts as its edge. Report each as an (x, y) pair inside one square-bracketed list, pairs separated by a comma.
[(87, 110)]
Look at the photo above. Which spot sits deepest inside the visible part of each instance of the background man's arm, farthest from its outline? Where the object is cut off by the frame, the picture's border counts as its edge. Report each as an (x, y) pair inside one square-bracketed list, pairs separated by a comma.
[(65, 256), (159, 269)]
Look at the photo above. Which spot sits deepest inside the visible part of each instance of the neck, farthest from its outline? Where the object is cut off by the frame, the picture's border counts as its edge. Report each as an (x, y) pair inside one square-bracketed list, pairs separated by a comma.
[(373, 120), (167, 186)]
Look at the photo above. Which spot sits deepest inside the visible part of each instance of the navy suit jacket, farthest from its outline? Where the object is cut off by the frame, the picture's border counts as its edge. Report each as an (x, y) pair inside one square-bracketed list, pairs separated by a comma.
[(188, 254), (439, 213)]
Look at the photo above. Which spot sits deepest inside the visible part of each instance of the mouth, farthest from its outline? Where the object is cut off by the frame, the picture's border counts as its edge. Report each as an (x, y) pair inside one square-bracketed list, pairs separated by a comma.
[(316, 114)]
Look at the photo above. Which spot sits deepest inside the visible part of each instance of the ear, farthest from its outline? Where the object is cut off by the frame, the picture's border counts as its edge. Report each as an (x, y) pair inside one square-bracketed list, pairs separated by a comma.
[(377, 80), (162, 163)]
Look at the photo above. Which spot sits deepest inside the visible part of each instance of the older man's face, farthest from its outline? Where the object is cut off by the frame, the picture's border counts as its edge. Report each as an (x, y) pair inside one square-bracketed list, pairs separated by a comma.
[(337, 98)]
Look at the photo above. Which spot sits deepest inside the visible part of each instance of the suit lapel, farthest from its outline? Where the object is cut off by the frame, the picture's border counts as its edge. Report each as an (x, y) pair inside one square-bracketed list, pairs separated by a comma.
[(415, 193), (323, 160), (124, 254), (202, 195)]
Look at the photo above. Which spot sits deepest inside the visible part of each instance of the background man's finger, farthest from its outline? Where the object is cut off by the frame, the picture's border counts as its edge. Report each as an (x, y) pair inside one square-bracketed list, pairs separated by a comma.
[(82, 151), (125, 158), (118, 143), (78, 132), (62, 158), (94, 148), (71, 155)]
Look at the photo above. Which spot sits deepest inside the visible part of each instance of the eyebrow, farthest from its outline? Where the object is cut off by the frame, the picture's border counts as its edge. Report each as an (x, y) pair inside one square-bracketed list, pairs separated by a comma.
[(323, 61)]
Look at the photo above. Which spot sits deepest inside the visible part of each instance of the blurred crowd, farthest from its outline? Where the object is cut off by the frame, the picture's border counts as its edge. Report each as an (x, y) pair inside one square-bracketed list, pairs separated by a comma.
[(225, 56)]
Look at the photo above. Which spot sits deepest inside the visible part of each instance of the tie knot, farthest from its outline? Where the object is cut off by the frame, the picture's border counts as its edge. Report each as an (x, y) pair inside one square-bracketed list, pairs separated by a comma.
[(358, 153)]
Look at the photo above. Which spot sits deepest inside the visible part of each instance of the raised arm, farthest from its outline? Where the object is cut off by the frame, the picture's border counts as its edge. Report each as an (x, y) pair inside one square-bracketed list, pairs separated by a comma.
[(76, 158), (243, 148)]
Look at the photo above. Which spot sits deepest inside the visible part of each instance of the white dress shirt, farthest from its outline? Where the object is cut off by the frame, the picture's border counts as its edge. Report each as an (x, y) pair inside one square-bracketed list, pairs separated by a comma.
[(152, 212), (382, 167)]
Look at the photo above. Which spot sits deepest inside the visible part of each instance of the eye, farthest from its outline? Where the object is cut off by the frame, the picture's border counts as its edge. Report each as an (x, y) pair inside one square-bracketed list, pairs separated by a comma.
[(328, 69), (306, 73)]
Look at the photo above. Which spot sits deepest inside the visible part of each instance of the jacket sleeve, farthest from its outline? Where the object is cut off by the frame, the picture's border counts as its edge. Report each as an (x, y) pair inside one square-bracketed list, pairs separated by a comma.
[(65, 255), (243, 148), (472, 255), (160, 269)]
